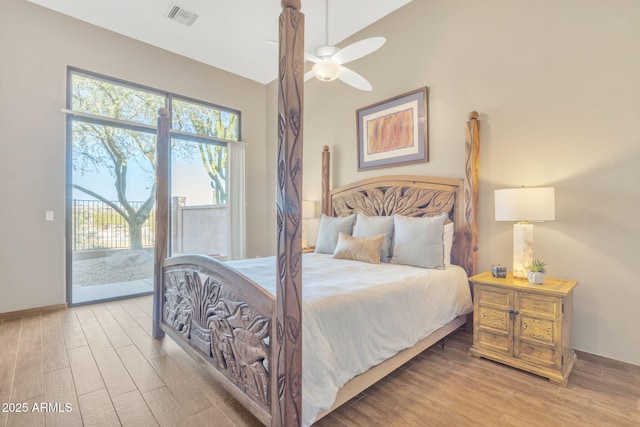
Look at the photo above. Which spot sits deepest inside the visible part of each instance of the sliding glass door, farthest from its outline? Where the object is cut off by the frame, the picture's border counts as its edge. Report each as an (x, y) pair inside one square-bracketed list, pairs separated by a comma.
[(111, 129), (112, 189)]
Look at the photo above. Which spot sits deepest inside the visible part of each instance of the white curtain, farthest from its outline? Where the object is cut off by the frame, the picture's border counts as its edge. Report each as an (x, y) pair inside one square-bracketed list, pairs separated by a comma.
[(236, 201)]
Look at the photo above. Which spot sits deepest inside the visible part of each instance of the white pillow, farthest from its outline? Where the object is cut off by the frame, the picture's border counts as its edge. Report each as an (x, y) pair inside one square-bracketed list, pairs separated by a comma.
[(419, 241), (368, 226), (448, 242), (329, 230)]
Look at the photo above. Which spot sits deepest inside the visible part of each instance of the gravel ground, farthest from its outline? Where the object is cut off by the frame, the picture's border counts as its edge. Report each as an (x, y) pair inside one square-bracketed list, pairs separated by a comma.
[(127, 266)]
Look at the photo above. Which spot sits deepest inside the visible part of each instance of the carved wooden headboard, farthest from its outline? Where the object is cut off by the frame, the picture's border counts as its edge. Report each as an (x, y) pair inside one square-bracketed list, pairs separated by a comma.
[(414, 195), (407, 195)]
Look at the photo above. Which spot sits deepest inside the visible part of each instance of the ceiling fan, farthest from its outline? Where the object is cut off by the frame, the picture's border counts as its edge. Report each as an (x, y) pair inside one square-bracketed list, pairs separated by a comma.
[(329, 60)]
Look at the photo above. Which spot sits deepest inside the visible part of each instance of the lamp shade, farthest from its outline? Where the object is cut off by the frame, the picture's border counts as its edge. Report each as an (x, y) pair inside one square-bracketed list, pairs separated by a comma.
[(308, 209), (525, 204)]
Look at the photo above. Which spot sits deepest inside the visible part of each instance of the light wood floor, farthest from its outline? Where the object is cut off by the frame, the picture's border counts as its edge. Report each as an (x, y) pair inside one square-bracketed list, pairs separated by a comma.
[(102, 361)]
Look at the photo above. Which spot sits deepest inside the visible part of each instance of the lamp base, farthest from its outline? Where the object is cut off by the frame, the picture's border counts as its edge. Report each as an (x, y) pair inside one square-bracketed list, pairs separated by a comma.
[(305, 243), (522, 249)]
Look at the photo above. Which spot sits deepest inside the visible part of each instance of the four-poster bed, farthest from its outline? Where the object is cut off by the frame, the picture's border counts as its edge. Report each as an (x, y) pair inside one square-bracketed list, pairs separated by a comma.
[(250, 338)]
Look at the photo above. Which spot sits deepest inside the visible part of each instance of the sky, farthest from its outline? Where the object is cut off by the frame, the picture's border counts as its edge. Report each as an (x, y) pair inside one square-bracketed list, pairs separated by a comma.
[(188, 178)]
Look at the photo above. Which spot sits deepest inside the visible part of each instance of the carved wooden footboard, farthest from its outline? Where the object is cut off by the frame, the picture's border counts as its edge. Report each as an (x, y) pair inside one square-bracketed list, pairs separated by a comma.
[(224, 320)]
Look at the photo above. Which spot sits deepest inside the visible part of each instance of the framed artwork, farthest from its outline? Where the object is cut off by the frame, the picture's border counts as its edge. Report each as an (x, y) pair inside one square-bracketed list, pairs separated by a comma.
[(393, 132)]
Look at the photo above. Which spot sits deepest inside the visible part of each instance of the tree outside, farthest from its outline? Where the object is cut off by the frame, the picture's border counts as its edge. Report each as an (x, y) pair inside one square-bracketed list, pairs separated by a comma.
[(208, 121), (109, 145)]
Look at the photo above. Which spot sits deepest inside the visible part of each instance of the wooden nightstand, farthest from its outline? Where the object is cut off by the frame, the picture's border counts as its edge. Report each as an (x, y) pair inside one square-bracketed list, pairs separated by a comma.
[(523, 325), (308, 249)]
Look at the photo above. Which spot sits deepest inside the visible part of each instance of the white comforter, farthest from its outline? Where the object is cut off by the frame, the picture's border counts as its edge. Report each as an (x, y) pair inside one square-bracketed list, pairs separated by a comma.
[(356, 315)]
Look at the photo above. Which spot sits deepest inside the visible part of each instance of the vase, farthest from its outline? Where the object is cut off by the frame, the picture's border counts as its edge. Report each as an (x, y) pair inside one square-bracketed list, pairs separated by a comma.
[(536, 277)]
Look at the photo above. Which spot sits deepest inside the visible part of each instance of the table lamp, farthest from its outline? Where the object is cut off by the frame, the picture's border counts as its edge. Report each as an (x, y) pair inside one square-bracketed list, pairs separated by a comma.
[(308, 212), (524, 205)]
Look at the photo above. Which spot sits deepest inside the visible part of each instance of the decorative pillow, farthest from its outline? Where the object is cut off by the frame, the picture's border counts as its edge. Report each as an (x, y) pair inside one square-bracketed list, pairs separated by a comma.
[(448, 242), (419, 241), (365, 249), (367, 226), (329, 229)]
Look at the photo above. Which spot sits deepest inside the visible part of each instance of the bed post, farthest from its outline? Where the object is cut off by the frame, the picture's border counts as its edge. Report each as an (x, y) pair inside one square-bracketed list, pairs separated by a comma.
[(162, 216), (286, 387), (326, 176), (472, 163)]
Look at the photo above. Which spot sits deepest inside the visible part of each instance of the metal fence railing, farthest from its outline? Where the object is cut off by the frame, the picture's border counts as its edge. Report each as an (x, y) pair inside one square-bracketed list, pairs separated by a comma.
[(96, 225)]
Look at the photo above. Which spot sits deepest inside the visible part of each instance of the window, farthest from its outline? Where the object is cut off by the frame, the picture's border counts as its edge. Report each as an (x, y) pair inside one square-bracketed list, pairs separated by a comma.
[(205, 120), (191, 121), (112, 148)]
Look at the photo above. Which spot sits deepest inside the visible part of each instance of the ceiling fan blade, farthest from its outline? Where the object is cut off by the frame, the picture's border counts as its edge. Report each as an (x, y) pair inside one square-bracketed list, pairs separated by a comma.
[(311, 57), (358, 50), (354, 79), (308, 75), (307, 56)]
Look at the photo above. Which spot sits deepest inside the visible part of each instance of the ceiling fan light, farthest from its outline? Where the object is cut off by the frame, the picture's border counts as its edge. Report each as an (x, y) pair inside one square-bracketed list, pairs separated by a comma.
[(326, 71)]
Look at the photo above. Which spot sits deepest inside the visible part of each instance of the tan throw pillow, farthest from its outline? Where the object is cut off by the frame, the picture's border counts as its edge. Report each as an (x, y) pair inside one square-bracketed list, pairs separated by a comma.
[(369, 226), (365, 249)]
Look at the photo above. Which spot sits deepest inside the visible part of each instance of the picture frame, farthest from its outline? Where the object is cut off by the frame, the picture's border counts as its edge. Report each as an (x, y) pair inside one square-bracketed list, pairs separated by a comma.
[(394, 132)]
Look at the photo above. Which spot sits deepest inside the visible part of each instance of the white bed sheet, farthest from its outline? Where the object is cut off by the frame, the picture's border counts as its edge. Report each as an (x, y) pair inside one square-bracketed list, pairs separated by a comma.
[(356, 315)]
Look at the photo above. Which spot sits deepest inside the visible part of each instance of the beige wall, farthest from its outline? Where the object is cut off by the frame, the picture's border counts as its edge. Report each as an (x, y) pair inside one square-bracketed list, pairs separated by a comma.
[(557, 85), (37, 46)]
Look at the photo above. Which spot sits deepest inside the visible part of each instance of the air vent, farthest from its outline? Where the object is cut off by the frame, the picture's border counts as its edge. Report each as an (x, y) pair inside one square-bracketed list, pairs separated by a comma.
[(181, 15)]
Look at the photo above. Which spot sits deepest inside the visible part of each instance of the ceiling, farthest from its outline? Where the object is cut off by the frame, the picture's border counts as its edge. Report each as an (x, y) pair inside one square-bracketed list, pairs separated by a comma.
[(231, 35)]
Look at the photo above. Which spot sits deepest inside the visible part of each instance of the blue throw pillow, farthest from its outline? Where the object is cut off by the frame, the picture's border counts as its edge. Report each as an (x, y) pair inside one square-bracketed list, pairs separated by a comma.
[(419, 241), (329, 231)]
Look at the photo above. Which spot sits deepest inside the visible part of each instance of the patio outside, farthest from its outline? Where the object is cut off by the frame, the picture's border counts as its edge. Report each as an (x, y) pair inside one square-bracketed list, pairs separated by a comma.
[(104, 264)]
